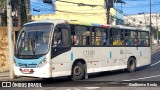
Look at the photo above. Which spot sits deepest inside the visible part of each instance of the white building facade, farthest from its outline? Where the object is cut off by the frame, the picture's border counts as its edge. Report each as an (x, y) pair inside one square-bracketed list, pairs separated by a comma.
[(143, 20)]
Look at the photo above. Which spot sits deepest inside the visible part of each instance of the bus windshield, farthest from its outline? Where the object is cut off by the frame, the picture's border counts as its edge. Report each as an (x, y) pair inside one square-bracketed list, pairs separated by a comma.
[(34, 39)]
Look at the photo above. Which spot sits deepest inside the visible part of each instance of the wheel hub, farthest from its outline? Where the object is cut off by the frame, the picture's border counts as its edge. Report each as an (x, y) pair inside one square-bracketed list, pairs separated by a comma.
[(77, 71), (132, 64)]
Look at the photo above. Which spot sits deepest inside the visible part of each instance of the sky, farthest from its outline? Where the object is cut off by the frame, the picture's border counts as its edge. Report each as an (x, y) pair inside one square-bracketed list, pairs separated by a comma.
[(139, 6), (38, 7)]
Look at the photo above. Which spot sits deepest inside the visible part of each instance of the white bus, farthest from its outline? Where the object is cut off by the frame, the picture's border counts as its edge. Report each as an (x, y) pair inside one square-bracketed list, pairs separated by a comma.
[(54, 48)]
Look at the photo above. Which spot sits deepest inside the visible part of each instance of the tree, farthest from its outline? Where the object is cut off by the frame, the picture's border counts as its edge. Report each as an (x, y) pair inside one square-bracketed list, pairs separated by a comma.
[(3, 13), (154, 32)]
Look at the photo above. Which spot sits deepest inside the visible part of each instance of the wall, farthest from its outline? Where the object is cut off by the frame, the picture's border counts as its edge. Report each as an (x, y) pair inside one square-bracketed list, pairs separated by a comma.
[(70, 11), (4, 48), (82, 10)]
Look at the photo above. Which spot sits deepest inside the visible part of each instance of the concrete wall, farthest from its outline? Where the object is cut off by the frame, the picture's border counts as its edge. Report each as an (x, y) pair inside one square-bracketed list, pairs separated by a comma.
[(70, 11), (4, 48)]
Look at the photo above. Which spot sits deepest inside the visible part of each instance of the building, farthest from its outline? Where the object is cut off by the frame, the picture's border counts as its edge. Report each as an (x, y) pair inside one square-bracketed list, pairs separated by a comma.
[(143, 20), (83, 10)]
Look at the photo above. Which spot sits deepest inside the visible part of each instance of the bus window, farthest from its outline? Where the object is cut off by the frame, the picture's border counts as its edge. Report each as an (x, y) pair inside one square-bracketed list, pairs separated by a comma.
[(86, 38), (75, 40), (99, 36), (116, 36), (60, 38), (143, 38), (129, 41), (80, 34), (134, 37)]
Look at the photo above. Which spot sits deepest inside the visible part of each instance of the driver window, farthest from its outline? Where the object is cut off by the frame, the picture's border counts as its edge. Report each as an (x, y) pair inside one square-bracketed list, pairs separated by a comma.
[(60, 37)]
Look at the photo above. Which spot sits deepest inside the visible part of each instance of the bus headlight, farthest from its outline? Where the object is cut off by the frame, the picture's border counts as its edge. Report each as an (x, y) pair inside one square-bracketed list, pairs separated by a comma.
[(42, 62)]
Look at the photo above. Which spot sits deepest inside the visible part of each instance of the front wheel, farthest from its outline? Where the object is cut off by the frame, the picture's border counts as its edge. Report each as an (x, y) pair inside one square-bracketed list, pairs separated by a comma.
[(78, 71), (131, 64)]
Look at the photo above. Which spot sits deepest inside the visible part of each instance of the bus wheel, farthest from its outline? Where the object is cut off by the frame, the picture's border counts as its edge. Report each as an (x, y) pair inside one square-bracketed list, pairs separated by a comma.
[(78, 71), (131, 65)]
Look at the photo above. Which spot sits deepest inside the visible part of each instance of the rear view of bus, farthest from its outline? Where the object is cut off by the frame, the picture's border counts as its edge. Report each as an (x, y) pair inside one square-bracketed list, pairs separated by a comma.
[(31, 52)]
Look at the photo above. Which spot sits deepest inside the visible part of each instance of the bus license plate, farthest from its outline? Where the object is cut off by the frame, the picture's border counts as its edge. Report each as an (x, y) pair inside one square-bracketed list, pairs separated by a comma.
[(25, 71)]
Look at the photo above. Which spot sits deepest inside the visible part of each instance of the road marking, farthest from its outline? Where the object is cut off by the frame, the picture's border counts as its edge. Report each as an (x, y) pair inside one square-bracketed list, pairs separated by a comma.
[(155, 63), (142, 78)]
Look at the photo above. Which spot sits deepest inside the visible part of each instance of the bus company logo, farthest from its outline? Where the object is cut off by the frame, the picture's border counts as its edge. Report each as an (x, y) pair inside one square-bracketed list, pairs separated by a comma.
[(6, 84)]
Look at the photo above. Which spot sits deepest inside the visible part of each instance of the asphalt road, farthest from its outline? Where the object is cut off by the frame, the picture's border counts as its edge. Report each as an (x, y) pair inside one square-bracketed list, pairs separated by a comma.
[(143, 75)]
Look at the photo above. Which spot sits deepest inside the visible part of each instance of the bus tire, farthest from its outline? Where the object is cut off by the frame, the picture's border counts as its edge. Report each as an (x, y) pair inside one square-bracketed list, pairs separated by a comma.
[(131, 64), (78, 71)]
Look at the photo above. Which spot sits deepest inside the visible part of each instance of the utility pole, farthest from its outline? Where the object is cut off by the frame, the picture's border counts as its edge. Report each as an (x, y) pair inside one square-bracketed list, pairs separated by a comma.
[(27, 4), (150, 24), (109, 4), (157, 28), (10, 38), (19, 13), (108, 11)]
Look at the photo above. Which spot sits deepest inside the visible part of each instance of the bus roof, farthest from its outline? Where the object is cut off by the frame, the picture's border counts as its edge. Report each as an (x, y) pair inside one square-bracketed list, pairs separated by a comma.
[(86, 24), (47, 21)]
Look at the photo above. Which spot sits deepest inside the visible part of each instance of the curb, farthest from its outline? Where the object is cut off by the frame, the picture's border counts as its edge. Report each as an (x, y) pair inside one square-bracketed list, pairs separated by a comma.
[(153, 51), (19, 79)]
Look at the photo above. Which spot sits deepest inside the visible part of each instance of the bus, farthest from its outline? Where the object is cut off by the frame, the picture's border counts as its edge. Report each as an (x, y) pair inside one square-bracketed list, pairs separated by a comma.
[(55, 48)]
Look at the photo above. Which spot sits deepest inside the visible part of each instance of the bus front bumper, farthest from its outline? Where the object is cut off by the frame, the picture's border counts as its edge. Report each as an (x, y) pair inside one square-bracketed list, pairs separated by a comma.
[(41, 72)]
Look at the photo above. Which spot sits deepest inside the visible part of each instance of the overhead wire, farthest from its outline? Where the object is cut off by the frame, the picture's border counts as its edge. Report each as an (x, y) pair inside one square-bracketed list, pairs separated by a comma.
[(74, 11)]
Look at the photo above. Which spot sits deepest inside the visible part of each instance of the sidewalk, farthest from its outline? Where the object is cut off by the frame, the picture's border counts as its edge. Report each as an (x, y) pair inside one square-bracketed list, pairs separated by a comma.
[(5, 75), (155, 48)]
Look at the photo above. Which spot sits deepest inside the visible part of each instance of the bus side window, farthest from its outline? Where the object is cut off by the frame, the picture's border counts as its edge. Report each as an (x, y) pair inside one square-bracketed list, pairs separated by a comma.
[(75, 40), (116, 37), (80, 34), (143, 37), (129, 40), (86, 38), (99, 36), (60, 37)]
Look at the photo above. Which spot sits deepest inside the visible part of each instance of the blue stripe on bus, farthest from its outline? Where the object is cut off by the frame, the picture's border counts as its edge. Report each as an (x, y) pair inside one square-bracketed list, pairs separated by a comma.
[(28, 62), (110, 55), (71, 56), (140, 53)]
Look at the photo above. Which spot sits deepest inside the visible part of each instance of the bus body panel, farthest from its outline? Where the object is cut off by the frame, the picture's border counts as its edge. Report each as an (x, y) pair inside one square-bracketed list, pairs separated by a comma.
[(97, 61)]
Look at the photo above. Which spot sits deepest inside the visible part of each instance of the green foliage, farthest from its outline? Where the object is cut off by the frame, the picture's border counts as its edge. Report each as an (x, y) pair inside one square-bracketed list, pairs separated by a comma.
[(154, 32), (159, 35), (3, 13), (3, 2), (15, 7)]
